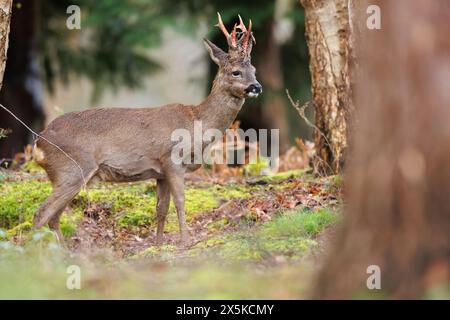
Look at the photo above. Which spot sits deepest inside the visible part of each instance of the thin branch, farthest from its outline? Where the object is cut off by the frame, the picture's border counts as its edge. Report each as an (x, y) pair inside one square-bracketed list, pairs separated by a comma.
[(301, 111)]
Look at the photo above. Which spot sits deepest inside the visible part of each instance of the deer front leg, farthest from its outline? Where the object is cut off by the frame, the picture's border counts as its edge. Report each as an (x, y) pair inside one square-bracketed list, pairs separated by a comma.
[(176, 185), (162, 207)]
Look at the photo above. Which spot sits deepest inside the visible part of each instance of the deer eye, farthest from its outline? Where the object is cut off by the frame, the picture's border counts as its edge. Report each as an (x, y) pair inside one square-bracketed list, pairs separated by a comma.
[(236, 73)]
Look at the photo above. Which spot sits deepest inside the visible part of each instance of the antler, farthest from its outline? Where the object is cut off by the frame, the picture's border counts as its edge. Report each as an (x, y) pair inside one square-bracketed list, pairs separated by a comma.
[(244, 34), (247, 36), (241, 24), (224, 29)]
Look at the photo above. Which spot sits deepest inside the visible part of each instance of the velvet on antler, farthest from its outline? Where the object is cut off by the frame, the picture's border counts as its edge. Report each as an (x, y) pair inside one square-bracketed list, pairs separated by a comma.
[(241, 39)]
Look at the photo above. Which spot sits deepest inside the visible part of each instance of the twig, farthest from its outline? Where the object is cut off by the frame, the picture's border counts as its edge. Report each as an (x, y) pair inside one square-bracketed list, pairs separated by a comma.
[(54, 145), (301, 111)]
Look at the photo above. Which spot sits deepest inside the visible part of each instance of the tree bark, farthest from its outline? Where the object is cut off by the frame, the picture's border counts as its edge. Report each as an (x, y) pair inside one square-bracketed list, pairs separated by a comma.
[(271, 76), (22, 86), (327, 34), (398, 179), (5, 18)]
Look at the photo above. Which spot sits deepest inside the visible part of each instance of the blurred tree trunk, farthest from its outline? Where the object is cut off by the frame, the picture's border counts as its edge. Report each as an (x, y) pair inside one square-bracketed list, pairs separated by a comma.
[(22, 87), (398, 179), (271, 76), (5, 18), (327, 34)]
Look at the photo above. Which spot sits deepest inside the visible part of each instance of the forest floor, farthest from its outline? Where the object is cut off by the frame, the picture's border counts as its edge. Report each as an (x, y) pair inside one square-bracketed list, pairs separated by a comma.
[(258, 237)]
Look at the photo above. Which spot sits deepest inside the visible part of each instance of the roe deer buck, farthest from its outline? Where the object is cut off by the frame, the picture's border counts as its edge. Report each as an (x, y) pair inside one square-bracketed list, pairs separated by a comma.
[(122, 144)]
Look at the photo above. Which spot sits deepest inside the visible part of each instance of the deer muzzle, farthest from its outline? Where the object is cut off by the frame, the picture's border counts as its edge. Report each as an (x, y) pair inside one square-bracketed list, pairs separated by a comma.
[(253, 90)]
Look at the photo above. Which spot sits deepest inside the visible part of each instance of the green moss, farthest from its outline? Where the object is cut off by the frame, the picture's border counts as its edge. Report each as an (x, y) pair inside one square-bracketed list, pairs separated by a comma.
[(257, 247), (290, 233), (163, 252), (230, 273), (103, 278), (211, 243), (139, 209), (285, 175), (437, 292), (335, 183), (136, 204), (133, 205), (299, 223), (198, 200), (20, 200), (69, 225), (33, 167), (19, 229), (241, 248), (234, 191), (257, 167), (218, 224)]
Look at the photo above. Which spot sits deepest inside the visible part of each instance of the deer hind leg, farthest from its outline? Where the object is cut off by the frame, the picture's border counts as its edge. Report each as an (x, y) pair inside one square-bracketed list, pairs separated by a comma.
[(64, 190), (54, 225), (52, 208), (162, 207)]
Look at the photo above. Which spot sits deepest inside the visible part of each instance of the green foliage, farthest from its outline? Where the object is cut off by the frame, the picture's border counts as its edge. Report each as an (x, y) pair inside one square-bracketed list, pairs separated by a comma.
[(290, 234), (163, 252), (222, 266), (36, 268), (257, 167), (109, 47), (69, 225), (132, 205), (39, 271), (336, 183), (20, 200), (37, 241), (32, 167), (299, 224), (280, 176), (436, 292)]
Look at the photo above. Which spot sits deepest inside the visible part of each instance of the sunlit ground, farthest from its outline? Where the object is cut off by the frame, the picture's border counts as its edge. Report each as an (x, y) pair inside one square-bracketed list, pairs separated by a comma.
[(258, 240)]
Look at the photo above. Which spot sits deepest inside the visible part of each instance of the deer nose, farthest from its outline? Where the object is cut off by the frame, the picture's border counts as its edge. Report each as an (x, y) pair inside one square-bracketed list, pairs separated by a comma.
[(254, 88)]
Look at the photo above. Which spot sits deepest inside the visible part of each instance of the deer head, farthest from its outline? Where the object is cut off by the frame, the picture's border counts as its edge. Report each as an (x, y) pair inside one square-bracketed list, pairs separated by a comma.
[(236, 74)]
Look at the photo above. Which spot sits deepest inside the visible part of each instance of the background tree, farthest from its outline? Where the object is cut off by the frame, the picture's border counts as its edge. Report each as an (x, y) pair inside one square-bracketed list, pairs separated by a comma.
[(22, 92), (5, 17), (281, 60), (328, 34), (108, 50), (398, 177)]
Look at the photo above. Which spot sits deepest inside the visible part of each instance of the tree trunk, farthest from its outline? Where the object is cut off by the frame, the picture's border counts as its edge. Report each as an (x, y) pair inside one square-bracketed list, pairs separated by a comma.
[(5, 18), (327, 34), (398, 179), (271, 76), (22, 86)]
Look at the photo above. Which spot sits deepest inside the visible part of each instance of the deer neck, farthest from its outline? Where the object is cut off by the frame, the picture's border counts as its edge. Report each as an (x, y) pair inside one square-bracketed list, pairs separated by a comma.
[(219, 109)]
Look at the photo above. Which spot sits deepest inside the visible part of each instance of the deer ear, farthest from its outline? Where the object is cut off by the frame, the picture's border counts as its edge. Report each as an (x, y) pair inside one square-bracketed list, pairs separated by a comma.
[(217, 54)]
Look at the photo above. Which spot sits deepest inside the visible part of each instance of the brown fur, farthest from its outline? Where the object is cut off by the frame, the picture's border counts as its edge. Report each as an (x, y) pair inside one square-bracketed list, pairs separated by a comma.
[(124, 144)]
